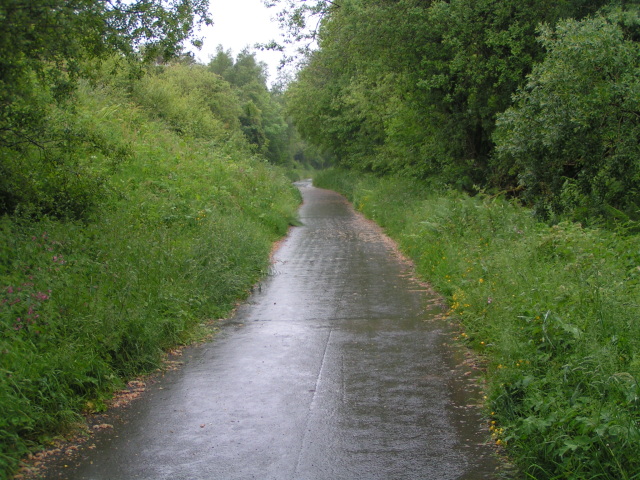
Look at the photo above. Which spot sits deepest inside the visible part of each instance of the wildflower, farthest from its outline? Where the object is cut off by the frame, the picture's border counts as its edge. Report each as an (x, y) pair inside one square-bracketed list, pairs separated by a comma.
[(481, 280)]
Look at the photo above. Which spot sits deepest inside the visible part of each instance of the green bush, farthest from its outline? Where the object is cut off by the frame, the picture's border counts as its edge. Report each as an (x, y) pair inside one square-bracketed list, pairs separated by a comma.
[(572, 137), (191, 100)]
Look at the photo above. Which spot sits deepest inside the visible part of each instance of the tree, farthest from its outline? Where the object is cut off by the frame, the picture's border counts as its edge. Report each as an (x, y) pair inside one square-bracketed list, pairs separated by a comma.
[(262, 116), (46, 45), (300, 24), (416, 85), (222, 63), (192, 100), (573, 136)]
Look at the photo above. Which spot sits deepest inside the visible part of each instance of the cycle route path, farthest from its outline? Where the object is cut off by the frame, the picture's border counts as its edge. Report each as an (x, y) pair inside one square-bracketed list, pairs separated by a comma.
[(338, 367)]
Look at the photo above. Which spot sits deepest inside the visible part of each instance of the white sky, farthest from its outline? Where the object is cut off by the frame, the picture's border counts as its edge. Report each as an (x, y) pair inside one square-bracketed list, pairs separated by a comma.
[(238, 24)]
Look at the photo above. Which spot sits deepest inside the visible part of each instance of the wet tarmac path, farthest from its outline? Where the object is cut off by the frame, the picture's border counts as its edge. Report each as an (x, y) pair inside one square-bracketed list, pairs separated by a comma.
[(334, 369)]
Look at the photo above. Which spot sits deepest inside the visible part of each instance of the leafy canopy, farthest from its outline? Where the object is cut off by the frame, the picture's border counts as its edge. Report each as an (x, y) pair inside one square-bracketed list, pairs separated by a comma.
[(573, 135), (49, 42), (45, 47)]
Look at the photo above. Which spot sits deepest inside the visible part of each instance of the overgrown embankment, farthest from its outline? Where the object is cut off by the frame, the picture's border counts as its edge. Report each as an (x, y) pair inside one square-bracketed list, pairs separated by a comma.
[(553, 309), (151, 217)]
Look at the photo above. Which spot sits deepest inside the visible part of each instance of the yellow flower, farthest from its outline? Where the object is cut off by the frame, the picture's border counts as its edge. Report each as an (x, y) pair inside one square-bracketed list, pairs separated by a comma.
[(481, 280)]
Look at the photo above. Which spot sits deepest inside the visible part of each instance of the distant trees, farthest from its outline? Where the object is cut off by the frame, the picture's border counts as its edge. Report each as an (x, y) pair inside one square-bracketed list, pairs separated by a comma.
[(417, 87), (262, 115), (53, 161), (191, 100)]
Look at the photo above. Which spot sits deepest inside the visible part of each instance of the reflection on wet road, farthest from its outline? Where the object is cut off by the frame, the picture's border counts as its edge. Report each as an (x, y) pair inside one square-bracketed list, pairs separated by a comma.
[(335, 369)]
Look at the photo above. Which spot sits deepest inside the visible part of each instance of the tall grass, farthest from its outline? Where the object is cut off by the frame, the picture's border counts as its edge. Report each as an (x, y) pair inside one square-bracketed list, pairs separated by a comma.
[(181, 229), (554, 310)]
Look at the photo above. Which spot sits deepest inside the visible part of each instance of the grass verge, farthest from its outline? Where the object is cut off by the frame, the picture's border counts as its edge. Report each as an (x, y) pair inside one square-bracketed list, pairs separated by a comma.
[(554, 311)]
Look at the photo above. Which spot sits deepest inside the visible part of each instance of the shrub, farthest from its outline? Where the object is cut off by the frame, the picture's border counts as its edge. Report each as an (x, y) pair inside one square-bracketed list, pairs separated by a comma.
[(573, 135)]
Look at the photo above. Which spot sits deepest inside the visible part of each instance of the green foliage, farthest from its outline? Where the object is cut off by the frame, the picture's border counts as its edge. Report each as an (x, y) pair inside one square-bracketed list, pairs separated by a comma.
[(262, 117), (573, 135), (191, 100), (550, 309), (63, 31), (44, 49), (182, 224), (299, 23), (54, 40), (61, 167), (417, 87), (339, 98)]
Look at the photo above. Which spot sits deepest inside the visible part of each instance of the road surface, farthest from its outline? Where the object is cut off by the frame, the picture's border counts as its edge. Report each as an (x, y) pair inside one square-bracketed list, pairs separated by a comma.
[(336, 368)]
